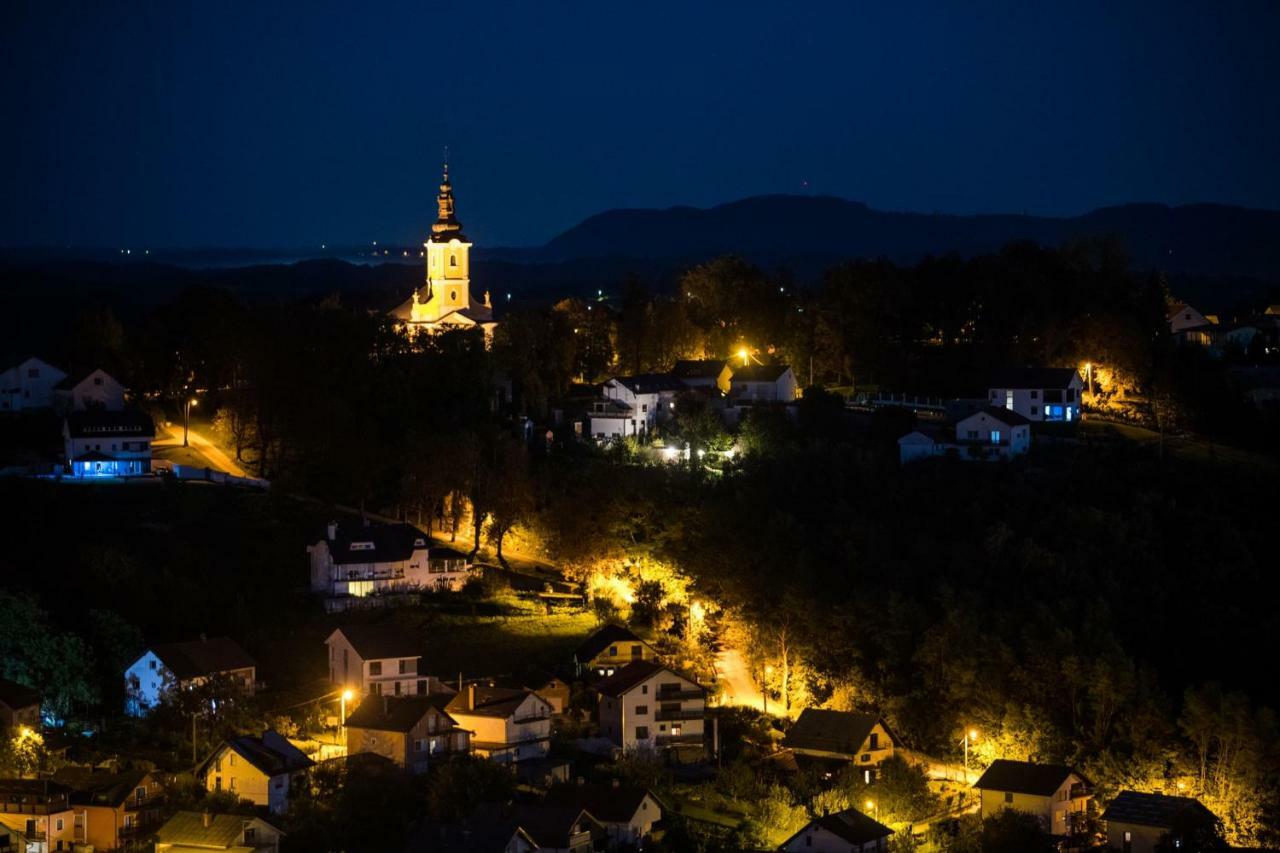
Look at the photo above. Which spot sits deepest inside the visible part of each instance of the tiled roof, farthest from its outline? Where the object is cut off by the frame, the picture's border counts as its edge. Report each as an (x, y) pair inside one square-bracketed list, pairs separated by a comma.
[(631, 675), (96, 422), (381, 640), (853, 826), (650, 383), (1033, 377), (195, 658), (603, 639), (1023, 777), (396, 713), (758, 373), (706, 368), (831, 731), (1154, 809), (1008, 417), (376, 543)]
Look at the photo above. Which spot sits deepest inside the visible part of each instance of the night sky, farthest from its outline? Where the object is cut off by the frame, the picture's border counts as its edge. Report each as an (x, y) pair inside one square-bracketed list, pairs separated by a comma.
[(292, 124)]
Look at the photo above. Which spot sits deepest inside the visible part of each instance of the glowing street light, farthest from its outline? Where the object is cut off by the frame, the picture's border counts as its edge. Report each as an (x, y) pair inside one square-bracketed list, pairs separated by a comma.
[(190, 404), (970, 735), (745, 356), (871, 807), (345, 698)]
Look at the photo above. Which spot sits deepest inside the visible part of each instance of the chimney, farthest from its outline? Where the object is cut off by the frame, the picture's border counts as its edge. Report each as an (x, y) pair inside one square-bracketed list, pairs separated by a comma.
[(207, 819), (471, 697), (331, 530)]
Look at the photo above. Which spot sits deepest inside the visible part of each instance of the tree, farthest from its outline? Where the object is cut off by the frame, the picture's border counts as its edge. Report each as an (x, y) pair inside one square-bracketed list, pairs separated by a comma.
[(1012, 831), (511, 497)]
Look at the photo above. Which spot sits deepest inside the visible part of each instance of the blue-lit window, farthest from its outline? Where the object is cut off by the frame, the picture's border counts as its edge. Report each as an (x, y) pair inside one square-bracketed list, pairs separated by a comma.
[(995, 436)]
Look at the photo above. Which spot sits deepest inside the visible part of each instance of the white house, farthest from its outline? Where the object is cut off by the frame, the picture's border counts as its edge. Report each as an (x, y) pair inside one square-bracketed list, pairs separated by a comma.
[(1142, 823), (93, 389), (848, 831), (506, 724), (262, 770), (362, 559), (170, 666), (820, 735), (763, 383), (628, 814), (1038, 393), (100, 443), (644, 705), (647, 400), (1053, 793), (917, 445), (991, 433), (28, 385), (1182, 317), (379, 660), (612, 419)]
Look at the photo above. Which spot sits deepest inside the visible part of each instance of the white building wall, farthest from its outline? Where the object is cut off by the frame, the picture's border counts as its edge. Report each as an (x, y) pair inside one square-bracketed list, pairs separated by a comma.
[(151, 678), (29, 385)]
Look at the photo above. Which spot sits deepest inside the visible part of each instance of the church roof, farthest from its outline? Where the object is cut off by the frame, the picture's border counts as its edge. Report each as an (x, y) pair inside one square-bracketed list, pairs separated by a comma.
[(446, 227)]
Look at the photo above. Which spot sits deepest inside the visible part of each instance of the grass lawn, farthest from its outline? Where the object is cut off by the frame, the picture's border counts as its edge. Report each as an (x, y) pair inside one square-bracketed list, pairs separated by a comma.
[(498, 645)]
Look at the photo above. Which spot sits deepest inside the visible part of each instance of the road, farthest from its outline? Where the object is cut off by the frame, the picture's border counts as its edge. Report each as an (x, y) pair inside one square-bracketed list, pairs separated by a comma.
[(737, 685), (212, 454)]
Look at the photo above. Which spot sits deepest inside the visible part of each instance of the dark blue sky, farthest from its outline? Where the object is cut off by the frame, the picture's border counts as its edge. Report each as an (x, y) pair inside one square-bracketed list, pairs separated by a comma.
[(281, 124)]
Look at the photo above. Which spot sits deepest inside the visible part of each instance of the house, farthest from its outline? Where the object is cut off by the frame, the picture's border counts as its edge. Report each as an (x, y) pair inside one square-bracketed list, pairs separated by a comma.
[(645, 400), (263, 770), (19, 706), (992, 433), (378, 660), (1182, 317), (1038, 393), (557, 693), (763, 383), (89, 389), (553, 829), (644, 705), (709, 374), (506, 724), (28, 385), (190, 831), (111, 810), (1054, 793), (917, 445), (100, 443), (820, 735), (1137, 823), (848, 831), (628, 814), (39, 811), (609, 649), (185, 665), (411, 731), (363, 559)]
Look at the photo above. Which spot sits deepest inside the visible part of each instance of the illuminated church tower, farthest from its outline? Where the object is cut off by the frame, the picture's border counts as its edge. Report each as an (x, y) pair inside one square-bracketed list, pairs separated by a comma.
[(444, 300)]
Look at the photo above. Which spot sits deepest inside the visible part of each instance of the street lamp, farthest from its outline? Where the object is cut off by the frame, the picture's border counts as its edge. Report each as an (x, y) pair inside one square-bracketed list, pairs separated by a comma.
[(744, 355), (970, 735), (871, 807), (191, 403), (345, 698)]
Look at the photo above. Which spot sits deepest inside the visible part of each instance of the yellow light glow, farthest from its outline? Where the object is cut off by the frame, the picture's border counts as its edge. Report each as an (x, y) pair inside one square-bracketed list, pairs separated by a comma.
[(697, 611), (194, 402), (744, 355), (347, 695), (973, 734), (870, 805)]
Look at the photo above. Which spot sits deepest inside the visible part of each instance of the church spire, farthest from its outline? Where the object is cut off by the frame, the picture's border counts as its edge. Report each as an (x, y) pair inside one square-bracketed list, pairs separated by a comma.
[(446, 227)]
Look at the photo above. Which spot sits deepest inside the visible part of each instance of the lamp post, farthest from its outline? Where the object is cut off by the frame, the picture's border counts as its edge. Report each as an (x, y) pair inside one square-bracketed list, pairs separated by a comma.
[(972, 734), (190, 403)]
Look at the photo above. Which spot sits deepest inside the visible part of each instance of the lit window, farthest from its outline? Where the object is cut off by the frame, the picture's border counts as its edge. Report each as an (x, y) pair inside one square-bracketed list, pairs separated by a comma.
[(995, 436)]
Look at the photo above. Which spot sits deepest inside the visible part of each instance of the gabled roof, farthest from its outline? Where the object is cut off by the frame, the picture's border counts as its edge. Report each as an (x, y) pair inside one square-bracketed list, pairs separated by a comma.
[(849, 825), (603, 639), (703, 368), (1024, 777), (17, 695), (489, 701), (75, 376), (650, 383), (43, 789), (95, 788), (833, 731), (606, 803), (550, 826), (1155, 809), (759, 373), (1018, 378), (95, 422), (188, 828), (209, 656), (631, 675), (272, 754), (396, 713), (1008, 417), (444, 552), (381, 640), (376, 543)]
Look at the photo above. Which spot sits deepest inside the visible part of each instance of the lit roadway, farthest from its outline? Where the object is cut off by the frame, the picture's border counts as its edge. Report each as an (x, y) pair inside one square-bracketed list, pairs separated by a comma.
[(736, 684), (203, 447)]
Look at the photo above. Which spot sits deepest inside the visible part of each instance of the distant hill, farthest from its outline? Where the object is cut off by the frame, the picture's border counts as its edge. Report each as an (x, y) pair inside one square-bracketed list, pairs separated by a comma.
[(812, 231)]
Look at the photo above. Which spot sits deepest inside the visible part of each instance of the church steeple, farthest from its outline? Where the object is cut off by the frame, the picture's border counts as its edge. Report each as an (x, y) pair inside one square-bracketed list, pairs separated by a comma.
[(446, 227)]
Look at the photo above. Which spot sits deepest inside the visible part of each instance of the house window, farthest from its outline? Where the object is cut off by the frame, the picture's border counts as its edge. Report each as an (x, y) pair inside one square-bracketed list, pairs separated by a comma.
[(875, 741), (973, 435), (59, 824), (636, 652), (866, 757), (375, 688), (397, 688), (250, 834), (642, 732), (1034, 409), (1035, 395), (152, 663), (1008, 399), (97, 380), (642, 710), (613, 650), (995, 436), (644, 688), (140, 792), (375, 668), (453, 260), (404, 667), (422, 687)]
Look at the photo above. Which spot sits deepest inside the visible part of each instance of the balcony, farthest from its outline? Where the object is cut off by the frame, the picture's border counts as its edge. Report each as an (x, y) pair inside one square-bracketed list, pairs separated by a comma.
[(680, 740), (664, 716), (669, 695)]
